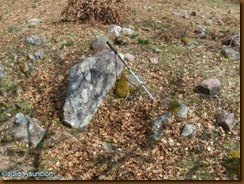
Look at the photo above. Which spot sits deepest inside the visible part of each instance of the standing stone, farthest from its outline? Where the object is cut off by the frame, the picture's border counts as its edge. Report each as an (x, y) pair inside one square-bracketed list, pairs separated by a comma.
[(1, 71), (226, 120), (90, 82), (210, 87), (27, 129)]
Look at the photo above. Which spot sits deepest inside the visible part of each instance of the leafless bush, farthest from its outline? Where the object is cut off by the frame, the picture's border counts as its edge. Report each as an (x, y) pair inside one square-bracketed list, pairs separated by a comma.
[(103, 11)]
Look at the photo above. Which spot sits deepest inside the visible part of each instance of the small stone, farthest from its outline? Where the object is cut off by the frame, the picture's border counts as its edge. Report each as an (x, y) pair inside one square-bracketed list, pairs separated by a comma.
[(129, 57), (188, 130), (33, 22), (157, 123), (183, 110), (37, 55), (153, 60), (226, 120), (35, 40), (108, 147), (230, 53), (100, 44), (155, 136), (210, 87), (1, 71), (201, 32), (114, 31), (208, 22), (127, 31)]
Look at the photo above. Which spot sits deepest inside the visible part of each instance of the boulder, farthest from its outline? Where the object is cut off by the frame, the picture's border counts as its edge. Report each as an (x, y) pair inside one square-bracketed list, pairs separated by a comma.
[(27, 129), (226, 120), (210, 87), (90, 82)]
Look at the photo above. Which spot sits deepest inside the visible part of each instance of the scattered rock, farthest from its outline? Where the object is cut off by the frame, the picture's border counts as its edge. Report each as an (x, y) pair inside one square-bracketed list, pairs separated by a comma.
[(35, 40), (129, 57), (230, 53), (182, 113), (100, 44), (210, 87), (1, 71), (165, 102), (108, 147), (90, 81), (159, 121), (188, 41), (189, 130), (27, 129), (153, 60), (127, 31), (201, 32), (33, 22), (232, 41), (155, 136), (208, 22), (226, 120), (37, 55), (114, 31), (178, 108)]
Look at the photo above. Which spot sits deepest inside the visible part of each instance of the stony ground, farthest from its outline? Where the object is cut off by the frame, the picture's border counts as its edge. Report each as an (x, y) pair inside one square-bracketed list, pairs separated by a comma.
[(79, 154)]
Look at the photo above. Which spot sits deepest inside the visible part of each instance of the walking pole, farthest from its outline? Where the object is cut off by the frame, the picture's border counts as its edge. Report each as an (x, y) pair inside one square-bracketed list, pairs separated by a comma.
[(116, 53)]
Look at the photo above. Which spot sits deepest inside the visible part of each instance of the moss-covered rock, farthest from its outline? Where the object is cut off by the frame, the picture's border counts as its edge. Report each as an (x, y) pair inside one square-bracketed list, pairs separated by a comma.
[(123, 87), (174, 107)]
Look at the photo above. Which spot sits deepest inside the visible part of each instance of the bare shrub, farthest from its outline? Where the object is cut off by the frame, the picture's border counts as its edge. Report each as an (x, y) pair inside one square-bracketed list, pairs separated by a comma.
[(103, 11)]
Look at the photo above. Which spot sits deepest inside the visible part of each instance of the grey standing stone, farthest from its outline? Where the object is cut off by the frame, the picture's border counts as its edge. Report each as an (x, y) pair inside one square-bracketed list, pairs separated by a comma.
[(1, 71), (27, 129), (90, 82), (230, 53), (35, 40), (188, 130), (210, 87), (226, 120)]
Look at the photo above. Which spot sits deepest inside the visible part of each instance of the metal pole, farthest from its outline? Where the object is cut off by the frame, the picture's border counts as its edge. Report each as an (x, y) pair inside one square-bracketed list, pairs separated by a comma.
[(116, 53)]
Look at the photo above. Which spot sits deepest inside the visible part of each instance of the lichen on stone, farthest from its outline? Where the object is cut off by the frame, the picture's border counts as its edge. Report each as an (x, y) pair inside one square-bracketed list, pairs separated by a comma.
[(174, 107)]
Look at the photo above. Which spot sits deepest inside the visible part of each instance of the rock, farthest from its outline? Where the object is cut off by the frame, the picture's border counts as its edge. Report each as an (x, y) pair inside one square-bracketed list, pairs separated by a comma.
[(226, 120), (159, 121), (100, 44), (165, 102), (108, 147), (208, 22), (127, 31), (1, 71), (155, 136), (153, 60), (232, 41), (129, 57), (27, 129), (35, 40), (210, 87), (188, 130), (183, 110), (33, 22), (37, 55), (90, 81), (114, 31), (201, 32), (230, 53)]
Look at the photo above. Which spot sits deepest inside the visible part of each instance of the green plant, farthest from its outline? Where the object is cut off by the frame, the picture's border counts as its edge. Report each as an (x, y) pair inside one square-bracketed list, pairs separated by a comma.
[(132, 36), (143, 42), (123, 87), (12, 28)]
